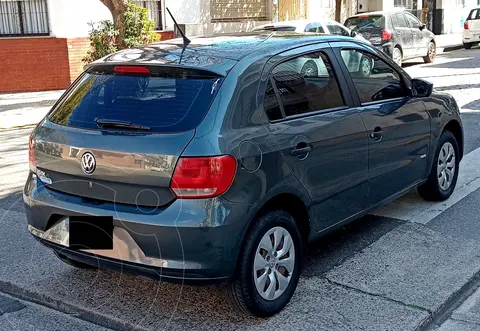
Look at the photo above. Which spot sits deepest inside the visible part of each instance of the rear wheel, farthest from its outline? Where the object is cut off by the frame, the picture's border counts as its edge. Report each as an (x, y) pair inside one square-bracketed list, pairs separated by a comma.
[(444, 172), (74, 263), (431, 53), (365, 66), (310, 69), (467, 45), (397, 56), (269, 265)]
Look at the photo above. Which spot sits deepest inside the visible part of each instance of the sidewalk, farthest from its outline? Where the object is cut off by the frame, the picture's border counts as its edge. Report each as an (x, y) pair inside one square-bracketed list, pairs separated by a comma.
[(25, 109), (449, 42)]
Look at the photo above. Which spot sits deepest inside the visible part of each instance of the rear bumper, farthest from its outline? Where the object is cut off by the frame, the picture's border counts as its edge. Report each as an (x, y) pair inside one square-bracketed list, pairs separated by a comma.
[(190, 241), (471, 37)]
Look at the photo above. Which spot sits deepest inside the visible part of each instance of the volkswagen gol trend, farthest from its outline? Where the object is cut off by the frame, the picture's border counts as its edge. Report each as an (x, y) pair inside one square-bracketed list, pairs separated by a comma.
[(218, 163)]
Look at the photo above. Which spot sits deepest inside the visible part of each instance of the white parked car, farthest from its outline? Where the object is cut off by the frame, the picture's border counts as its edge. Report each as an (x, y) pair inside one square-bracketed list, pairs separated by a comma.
[(471, 29), (315, 67)]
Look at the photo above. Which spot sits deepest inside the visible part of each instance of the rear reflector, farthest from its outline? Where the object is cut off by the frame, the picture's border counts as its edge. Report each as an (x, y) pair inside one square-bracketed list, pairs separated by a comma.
[(131, 70), (203, 177), (386, 35)]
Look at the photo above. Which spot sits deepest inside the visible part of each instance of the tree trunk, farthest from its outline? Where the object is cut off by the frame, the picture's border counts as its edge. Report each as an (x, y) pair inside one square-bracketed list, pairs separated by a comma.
[(117, 9), (338, 10)]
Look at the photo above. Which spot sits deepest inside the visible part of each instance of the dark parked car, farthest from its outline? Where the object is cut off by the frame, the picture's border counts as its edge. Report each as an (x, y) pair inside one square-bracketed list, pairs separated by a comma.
[(220, 162), (398, 33)]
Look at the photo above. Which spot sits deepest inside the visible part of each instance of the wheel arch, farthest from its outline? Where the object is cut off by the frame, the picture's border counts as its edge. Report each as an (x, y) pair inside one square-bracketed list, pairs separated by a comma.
[(293, 205), (454, 127)]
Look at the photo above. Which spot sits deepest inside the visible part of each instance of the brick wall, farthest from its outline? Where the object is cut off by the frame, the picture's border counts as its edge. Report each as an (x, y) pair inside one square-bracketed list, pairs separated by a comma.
[(33, 64), (77, 49), (44, 63)]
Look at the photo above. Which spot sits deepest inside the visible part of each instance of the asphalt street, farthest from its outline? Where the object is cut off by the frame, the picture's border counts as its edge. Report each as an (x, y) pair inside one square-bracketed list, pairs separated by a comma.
[(409, 266)]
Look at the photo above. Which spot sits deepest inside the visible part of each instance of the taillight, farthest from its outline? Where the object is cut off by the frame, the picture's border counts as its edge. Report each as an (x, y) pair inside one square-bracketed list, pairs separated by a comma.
[(465, 25), (203, 177), (31, 155), (386, 35), (131, 70)]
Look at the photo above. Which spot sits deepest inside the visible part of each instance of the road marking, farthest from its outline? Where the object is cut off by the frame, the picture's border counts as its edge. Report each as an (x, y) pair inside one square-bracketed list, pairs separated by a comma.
[(413, 208)]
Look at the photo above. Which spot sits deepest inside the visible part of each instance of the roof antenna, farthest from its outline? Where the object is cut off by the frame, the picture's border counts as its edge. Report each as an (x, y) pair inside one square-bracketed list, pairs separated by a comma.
[(186, 41)]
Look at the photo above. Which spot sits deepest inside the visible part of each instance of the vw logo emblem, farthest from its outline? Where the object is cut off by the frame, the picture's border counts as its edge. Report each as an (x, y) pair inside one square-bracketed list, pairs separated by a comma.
[(88, 163)]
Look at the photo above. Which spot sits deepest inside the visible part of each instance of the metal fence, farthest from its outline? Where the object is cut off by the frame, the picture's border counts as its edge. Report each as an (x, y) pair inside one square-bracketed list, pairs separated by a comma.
[(155, 11), (23, 18)]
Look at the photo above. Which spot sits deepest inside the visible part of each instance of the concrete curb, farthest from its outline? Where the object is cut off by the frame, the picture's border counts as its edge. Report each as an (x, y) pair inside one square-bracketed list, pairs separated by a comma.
[(440, 315), (67, 308)]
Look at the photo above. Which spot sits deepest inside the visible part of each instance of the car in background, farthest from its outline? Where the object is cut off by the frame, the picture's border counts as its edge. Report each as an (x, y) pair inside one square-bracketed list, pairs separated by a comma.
[(321, 26), (398, 33), (471, 29), (314, 67)]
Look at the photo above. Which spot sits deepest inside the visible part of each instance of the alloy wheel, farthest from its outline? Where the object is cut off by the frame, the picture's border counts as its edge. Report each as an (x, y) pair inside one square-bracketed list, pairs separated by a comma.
[(446, 166), (397, 56), (274, 263)]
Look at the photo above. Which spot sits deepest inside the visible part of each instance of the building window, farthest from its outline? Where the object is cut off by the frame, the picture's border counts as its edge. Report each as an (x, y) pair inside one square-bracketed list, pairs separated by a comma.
[(238, 10), (402, 4), (155, 11), (23, 18)]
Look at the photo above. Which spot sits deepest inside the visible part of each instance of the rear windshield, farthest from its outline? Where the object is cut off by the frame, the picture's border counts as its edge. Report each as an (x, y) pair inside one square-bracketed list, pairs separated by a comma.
[(160, 103), (364, 22), (474, 14)]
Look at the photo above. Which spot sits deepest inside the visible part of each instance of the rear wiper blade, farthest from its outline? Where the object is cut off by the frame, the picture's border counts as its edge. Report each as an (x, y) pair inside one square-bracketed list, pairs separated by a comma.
[(103, 123)]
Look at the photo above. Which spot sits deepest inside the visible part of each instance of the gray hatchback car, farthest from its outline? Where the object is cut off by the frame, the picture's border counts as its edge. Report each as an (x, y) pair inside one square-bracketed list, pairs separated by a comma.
[(218, 163)]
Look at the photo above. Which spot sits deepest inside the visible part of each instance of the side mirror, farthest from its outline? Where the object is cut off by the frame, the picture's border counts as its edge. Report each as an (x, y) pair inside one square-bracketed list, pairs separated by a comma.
[(421, 27), (421, 88), (353, 34)]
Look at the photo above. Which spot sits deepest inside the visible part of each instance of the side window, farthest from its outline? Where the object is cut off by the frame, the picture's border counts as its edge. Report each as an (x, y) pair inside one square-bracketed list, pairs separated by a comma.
[(374, 79), (337, 30), (307, 84), (399, 21), (413, 21), (312, 27), (322, 30), (272, 108)]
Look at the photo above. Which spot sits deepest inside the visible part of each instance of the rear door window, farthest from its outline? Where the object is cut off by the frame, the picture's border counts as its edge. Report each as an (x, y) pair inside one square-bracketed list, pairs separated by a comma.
[(399, 21), (171, 103), (307, 84)]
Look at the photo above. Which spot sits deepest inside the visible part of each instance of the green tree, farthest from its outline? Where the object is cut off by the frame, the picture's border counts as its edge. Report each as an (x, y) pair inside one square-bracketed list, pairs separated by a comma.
[(106, 38)]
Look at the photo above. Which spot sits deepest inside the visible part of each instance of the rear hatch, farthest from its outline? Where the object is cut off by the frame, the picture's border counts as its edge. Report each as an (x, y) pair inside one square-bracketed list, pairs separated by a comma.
[(117, 134), (369, 27), (473, 21)]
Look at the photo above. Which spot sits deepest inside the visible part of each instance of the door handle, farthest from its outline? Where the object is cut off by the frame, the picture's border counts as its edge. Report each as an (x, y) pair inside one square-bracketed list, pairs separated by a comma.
[(301, 149), (377, 134)]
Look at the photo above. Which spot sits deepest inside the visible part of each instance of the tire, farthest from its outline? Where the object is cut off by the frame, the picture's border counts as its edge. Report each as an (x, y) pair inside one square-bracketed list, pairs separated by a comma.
[(310, 69), (432, 190), (467, 46), (74, 263), (242, 290), (431, 53), (364, 64), (398, 60)]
